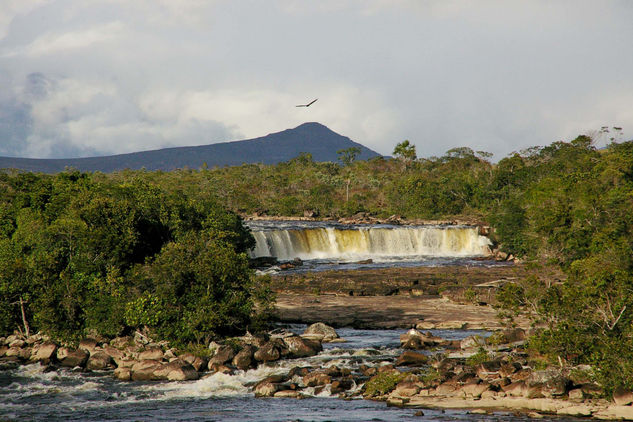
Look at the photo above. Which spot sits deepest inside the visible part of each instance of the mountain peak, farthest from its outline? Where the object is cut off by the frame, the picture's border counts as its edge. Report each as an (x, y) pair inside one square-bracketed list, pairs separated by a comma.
[(311, 137)]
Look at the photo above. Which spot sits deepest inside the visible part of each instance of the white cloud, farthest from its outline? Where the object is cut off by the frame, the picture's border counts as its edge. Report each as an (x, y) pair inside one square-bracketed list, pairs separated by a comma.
[(118, 76), (52, 44)]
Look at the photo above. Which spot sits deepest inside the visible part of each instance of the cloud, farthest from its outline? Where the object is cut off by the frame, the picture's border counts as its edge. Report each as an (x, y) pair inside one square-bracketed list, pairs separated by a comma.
[(111, 76)]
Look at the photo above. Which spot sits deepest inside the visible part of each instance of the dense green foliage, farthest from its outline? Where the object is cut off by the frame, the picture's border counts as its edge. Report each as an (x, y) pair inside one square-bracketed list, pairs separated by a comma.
[(84, 253), (158, 249)]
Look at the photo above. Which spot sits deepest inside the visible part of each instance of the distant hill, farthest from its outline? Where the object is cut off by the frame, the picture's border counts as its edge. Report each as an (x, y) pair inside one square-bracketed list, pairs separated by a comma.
[(313, 138)]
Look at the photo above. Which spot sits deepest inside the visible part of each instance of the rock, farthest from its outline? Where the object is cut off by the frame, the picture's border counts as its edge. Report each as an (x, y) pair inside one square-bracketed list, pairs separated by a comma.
[(265, 389), (508, 369), (576, 394), (151, 353), (117, 355), (414, 339), (263, 261), (21, 353), (622, 397), (516, 389), (223, 369), (291, 394), (267, 353), (341, 385), (447, 389), (299, 347), (316, 378), (144, 370), (99, 360), (244, 359), (18, 342), (88, 344), (44, 352), (472, 342), (198, 363), (177, 370), (406, 389), (551, 382), (3, 351), (71, 358), (474, 390), (222, 355), (325, 332), (489, 369), (409, 358), (123, 374), (121, 342)]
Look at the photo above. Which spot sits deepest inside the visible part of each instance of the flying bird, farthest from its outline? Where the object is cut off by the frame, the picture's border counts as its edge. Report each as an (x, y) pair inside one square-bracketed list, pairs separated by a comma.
[(307, 105)]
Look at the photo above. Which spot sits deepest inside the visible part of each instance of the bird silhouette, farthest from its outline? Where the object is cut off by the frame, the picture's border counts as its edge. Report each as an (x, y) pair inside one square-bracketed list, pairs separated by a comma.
[(307, 105)]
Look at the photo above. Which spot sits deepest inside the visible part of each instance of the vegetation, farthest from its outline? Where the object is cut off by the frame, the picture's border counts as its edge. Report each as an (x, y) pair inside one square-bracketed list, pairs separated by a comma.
[(80, 253), (383, 383), (120, 251)]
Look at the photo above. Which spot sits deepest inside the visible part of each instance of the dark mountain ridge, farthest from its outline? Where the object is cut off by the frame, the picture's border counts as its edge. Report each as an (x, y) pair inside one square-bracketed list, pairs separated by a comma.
[(313, 138)]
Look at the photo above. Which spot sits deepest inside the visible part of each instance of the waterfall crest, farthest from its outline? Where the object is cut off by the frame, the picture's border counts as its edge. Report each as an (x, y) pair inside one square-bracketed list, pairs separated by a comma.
[(369, 242)]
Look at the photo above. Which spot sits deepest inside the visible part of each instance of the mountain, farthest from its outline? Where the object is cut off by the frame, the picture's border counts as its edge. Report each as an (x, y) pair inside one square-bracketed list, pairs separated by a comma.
[(313, 138)]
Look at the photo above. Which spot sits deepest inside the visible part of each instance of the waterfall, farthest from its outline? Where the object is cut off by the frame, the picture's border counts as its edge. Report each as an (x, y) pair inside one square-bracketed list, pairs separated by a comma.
[(369, 242)]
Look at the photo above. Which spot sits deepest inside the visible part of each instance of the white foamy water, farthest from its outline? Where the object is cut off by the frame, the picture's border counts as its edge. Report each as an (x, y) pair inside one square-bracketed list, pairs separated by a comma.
[(380, 243)]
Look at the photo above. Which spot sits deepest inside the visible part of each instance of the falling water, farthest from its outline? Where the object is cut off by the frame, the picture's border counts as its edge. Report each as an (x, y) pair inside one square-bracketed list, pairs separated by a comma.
[(369, 242)]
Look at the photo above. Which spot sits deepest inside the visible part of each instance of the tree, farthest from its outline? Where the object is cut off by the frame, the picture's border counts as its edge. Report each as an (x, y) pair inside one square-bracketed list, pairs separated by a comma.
[(348, 155), (405, 151)]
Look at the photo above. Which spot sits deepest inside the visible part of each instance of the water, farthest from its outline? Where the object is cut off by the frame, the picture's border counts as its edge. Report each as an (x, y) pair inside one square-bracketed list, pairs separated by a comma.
[(333, 246), (32, 393)]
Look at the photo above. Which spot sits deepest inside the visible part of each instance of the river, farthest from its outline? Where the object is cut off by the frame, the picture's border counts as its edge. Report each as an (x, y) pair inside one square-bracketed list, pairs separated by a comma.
[(33, 393)]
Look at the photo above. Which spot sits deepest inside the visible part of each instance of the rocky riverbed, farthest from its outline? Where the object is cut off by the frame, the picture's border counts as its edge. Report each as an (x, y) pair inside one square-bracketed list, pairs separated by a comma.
[(482, 372)]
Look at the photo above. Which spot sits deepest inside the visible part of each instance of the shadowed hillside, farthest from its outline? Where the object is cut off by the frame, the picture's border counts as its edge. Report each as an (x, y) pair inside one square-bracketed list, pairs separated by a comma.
[(313, 138)]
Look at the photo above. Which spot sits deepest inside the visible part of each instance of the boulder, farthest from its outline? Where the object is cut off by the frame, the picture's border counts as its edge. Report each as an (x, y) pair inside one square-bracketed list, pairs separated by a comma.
[(406, 389), (177, 370), (489, 369), (267, 353), (265, 389), (447, 389), (316, 378), (123, 374), (88, 344), (474, 389), (576, 394), (244, 359), (222, 355), (99, 360), (144, 370), (341, 385), (198, 363), (321, 331), (299, 347), (410, 358), (414, 339), (291, 394), (508, 369), (18, 342), (71, 358), (516, 389), (117, 355), (3, 351), (151, 353), (550, 382), (44, 352), (622, 397)]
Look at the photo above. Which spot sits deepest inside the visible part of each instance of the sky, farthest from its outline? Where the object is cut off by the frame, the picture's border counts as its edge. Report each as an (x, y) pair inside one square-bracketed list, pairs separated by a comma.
[(99, 77)]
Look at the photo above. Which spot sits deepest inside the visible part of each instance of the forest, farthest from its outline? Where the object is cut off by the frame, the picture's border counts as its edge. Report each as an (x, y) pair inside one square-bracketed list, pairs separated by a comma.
[(95, 252)]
